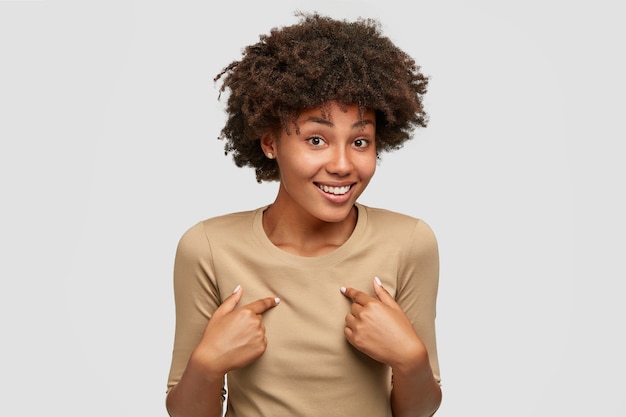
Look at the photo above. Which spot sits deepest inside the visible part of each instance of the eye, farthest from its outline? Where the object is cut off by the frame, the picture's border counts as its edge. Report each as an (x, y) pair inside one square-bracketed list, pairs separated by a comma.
[(361, 143), (315, 141)]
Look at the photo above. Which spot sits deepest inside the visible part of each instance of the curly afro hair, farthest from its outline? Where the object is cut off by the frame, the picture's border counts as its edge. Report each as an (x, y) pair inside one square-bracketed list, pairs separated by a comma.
[(310, 64)]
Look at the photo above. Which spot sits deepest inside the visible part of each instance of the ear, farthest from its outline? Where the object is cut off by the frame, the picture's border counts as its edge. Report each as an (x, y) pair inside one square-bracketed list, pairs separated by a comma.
[(268, 144)]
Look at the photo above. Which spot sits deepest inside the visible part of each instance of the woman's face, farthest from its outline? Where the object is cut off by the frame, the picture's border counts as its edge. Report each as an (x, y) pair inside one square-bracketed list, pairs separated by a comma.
[(326, 166)]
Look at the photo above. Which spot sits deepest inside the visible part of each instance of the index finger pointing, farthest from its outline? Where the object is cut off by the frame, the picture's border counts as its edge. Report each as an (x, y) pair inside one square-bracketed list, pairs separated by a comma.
[(355, 295), (260, 306)]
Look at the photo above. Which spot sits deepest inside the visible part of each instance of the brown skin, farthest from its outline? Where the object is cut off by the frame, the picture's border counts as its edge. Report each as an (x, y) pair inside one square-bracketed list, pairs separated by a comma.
[(334, 147), (315, 61), (378, 327), (234, 338), (342, 152)]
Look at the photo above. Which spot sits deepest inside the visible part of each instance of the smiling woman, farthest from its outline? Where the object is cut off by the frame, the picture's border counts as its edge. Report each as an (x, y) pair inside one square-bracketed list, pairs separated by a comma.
[(314, 304), (324, 166)]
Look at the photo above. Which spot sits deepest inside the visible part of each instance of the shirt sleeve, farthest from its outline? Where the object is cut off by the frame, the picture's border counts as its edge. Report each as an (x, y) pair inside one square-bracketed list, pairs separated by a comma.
[(196, 297), (417, 287)]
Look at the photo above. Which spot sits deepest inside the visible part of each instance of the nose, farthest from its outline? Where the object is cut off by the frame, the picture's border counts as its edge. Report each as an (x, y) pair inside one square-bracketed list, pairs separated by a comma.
[(340, 162)]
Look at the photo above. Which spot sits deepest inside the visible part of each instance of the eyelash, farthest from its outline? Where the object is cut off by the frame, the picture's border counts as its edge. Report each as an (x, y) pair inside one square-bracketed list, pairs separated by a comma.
[(365, 142), (311, 139)]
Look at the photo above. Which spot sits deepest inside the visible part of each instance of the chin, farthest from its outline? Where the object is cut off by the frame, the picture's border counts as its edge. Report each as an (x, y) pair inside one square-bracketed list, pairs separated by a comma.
[(336, 215)]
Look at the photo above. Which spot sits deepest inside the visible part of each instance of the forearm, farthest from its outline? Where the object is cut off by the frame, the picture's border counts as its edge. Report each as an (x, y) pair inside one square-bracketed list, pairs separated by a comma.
[(197, 394), (415, 392)]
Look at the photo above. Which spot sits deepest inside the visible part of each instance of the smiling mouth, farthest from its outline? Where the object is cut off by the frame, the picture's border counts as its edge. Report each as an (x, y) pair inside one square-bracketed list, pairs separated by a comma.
[(334, 190)]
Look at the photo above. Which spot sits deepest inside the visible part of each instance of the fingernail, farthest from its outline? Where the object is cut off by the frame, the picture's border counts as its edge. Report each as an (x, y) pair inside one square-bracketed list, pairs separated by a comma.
[(236, 288), (277, 300), (380, 284), (343, 290)]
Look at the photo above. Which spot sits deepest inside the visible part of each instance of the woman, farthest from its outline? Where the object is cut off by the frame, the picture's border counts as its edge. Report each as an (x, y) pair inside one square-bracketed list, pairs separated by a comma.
[(314, 305)]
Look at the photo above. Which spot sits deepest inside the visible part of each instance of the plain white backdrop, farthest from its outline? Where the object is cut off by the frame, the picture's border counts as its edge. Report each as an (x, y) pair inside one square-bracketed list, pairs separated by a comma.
[(108, 126)]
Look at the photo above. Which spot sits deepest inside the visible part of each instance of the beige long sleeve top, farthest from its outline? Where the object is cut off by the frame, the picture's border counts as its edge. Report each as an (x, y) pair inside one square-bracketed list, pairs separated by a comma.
[(308, 368)]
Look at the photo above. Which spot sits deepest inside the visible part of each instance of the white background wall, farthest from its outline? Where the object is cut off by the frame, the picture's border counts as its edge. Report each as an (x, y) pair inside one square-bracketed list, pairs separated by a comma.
[(108, 120)]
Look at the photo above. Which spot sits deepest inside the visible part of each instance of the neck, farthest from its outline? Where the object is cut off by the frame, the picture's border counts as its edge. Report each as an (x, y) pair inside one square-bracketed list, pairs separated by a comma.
[(305, 235)]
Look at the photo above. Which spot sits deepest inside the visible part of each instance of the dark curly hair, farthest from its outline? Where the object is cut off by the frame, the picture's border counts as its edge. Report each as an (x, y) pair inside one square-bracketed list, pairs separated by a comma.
[(309, 64)]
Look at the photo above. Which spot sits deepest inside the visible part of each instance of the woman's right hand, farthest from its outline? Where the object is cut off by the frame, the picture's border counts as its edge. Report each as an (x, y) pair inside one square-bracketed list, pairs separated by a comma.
[(234, 337)]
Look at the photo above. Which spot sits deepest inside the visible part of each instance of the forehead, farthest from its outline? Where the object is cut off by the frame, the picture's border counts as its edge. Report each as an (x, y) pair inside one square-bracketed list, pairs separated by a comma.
[(334, 112)]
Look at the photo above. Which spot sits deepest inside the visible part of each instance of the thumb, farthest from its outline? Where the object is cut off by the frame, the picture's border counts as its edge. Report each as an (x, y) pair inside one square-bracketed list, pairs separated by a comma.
[(382, 294), (230, 302)]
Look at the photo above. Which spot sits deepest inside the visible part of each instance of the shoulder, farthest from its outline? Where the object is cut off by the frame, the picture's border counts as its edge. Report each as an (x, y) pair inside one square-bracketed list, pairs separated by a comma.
[(230, 223), (411, 237), (203, 232), (392, 222), (226, 223)]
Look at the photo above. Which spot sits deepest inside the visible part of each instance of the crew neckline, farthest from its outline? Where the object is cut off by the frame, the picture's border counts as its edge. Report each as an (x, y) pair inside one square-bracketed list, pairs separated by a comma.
[(326, 259)]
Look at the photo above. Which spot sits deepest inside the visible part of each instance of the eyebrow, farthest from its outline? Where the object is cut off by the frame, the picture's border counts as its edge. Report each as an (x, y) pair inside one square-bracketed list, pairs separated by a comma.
[(327, 122)]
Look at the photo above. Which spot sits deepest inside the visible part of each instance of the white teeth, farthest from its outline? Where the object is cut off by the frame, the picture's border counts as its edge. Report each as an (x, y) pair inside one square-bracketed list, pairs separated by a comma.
[(335, 190)]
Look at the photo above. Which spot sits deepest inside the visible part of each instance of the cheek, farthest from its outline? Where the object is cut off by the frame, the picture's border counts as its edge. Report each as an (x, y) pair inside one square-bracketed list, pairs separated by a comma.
[(299, 168), (367, 168), (303, 165)]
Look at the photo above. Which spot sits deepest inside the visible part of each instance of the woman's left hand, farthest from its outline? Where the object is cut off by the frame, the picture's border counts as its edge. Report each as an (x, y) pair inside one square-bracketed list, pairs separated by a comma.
[(379, 328)]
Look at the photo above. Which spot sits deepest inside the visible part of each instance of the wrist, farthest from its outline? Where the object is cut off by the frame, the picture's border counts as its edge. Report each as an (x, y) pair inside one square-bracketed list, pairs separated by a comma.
[(412, 361), (204, 366)]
